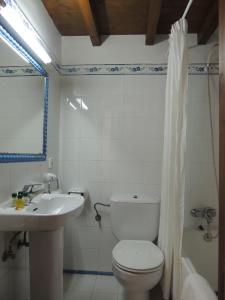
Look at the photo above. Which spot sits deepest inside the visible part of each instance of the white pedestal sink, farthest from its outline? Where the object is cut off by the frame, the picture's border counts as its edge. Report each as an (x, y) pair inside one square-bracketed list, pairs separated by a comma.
[(44, 218), (46, 265)]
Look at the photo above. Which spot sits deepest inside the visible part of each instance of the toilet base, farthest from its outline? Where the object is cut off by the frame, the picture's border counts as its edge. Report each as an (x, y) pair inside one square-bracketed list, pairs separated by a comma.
[(133, 295), (137, 286)]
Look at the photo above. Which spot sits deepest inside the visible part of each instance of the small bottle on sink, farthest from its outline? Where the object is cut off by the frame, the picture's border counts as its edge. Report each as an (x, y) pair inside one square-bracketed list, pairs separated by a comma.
[(20, 203), (14, 197)]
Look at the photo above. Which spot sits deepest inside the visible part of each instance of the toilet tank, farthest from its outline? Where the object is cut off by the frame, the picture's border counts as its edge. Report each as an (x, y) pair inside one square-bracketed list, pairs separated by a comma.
[(135, 217)]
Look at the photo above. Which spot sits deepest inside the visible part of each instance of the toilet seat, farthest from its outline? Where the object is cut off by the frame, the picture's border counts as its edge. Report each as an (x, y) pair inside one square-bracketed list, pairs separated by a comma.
[(137, 256), (135, 271)]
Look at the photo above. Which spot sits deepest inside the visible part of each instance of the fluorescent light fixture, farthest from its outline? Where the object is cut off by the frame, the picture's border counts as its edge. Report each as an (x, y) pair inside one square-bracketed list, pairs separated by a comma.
[(73, 106), (14, 49), (14, 16), (82, 104)]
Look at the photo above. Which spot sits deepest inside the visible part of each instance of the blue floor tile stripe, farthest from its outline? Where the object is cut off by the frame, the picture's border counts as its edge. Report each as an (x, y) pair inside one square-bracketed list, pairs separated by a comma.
[(68, 271)]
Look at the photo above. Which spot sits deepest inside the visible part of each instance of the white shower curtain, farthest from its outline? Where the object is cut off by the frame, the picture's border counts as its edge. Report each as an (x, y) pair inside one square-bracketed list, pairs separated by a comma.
[(173, 177)]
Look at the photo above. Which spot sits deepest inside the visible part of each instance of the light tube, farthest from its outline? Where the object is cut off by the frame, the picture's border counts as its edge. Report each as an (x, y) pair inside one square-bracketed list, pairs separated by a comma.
[(13, 15)]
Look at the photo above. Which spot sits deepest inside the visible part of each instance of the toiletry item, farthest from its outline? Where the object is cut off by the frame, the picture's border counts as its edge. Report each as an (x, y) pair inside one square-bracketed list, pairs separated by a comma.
[(22, 202), (14, 197), (26, 199), (19, 201)]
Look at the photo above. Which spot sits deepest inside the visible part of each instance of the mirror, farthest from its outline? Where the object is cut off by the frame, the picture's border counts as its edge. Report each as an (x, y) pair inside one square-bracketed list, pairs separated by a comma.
[(23, 102)]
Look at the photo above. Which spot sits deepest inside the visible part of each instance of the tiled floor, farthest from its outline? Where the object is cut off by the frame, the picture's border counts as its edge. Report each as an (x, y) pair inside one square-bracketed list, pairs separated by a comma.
[(90, 287)]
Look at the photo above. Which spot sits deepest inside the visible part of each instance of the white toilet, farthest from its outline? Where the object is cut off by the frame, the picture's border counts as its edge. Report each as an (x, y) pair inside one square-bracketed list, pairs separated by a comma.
[(137, 263)]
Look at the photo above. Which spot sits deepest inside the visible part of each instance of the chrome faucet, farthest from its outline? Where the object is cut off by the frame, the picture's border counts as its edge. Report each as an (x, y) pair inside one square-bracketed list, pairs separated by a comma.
[(207, 213), (49, 184), (28, 189), (49, 178)]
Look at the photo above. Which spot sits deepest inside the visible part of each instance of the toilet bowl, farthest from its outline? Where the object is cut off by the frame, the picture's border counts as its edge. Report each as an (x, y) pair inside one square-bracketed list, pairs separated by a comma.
[(136, 262), (138, 266)]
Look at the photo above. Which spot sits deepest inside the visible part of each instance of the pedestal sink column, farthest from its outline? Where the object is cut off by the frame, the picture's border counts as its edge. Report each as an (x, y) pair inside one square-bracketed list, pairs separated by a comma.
[(46, 265)]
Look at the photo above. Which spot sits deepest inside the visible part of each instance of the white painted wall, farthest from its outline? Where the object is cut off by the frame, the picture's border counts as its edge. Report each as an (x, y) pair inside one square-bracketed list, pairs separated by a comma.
[(126, 49), (116, 146)]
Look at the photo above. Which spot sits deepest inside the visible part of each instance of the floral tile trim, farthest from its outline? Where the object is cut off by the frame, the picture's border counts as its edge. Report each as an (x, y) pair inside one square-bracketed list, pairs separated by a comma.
[(119, 69), (131, 69), (9, 71), (113, 69)]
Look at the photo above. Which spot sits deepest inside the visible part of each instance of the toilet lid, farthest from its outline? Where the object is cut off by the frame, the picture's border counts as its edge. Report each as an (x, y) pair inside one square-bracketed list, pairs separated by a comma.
[(137, 255)]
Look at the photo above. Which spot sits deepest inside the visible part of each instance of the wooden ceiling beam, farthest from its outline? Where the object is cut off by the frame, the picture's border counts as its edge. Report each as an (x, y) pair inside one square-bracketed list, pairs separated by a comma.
[(209, 24), (153, 20), (90, 22)]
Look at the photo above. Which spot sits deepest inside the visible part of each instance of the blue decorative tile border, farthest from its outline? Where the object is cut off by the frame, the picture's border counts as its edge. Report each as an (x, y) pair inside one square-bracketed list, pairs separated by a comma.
[(109, 69), (10, 71), (130, 69), (82, 272), (118, 69)]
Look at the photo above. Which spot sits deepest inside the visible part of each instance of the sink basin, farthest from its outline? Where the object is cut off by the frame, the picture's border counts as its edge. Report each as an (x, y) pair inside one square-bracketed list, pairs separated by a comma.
[(44, 218), (45, 213)]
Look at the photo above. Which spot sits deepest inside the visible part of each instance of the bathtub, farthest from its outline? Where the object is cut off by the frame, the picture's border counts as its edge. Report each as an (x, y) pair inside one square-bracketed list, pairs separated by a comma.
[(200, 256)]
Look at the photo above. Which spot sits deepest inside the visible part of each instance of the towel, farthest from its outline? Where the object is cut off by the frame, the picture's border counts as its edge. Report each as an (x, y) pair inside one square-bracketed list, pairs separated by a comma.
[(197, 288)]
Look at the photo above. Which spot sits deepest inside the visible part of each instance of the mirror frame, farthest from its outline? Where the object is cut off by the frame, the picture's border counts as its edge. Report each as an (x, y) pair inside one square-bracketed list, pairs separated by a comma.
[(6, 157)]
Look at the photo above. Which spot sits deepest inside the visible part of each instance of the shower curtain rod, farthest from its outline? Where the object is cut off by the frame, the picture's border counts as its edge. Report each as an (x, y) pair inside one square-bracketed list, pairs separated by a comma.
[(187, 9)]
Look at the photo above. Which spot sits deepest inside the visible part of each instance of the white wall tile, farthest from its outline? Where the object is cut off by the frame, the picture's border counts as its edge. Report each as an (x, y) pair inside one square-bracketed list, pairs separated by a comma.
[(201, 188), (115, 146), (90, 149), (141, 85), (89, 237), (94, 171), (4, 178), (92, 128), (100, 85), (113, 128), (197, 86), (70, 120), (71, 149), (69, 174), (202, 175), (80, 259), (113, 105)]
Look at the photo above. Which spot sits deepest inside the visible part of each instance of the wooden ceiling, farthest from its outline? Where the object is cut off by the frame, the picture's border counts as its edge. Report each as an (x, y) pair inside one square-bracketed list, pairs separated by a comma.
[(100, 18)]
